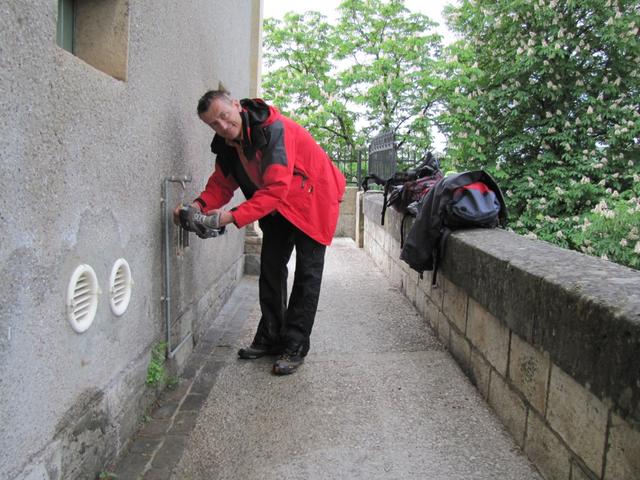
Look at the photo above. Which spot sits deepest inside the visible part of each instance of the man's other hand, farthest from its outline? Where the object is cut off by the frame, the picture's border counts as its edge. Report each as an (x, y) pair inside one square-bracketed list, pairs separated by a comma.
[(176, 212)]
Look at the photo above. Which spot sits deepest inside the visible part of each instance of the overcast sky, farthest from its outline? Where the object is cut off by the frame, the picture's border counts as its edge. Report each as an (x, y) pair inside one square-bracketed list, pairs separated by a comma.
[(431, 8)]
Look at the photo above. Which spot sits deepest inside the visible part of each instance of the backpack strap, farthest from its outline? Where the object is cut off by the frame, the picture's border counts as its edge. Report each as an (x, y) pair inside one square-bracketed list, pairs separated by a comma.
[(438, 252), (404, 217), (387, 187)]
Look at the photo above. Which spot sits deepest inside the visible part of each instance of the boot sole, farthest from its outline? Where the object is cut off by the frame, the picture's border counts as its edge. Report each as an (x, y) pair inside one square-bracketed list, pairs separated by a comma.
[(243, 355)]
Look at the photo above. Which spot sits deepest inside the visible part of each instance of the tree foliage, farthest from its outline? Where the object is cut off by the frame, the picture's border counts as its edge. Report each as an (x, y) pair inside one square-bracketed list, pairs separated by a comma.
[(373, 71), (303, 82), (544, 94)]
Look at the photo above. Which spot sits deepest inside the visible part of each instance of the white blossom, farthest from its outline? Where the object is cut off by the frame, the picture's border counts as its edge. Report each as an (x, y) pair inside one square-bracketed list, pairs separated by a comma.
[(589, 110), (636, 249), (531, 235), (604, 256), (559, 234), (623, 242)]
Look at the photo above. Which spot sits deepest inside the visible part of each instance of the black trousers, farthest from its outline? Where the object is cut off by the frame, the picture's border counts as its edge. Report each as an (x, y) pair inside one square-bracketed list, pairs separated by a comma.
[(288, 325)]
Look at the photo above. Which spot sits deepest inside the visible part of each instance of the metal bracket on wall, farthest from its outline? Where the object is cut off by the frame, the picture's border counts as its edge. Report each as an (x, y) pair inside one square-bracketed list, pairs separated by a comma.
[(167, 217)]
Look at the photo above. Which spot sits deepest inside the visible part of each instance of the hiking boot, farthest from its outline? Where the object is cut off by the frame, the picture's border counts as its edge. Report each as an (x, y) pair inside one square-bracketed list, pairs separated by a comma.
[(255, 350), (287, 363)]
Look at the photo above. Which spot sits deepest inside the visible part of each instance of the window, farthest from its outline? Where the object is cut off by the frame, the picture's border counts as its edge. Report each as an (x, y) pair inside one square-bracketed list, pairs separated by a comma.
[(96, 31), (66, 16)]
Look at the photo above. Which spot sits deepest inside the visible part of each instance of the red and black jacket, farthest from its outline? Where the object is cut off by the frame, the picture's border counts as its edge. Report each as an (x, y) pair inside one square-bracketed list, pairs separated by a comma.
[(279, 167)]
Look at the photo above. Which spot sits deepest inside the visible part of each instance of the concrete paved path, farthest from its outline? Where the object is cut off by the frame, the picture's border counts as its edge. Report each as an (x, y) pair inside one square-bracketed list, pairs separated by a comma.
[(377, 398)]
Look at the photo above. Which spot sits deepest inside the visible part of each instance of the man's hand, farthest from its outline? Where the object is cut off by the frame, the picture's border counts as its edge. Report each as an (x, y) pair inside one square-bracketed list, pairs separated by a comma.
[(176, 212), (205, 226)]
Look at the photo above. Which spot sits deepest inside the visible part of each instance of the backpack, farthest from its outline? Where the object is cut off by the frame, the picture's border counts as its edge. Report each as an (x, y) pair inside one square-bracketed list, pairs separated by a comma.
[(465, 200), (472, 205), (404, 189)]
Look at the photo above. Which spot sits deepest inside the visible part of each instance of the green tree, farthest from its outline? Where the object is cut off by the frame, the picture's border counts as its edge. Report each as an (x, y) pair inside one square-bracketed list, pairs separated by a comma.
[(392, 57), (303, 81), (374, 71), (545, 95)]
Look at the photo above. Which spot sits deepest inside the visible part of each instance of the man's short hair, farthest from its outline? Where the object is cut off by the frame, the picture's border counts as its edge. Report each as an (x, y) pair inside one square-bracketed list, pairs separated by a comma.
[(207, 99)]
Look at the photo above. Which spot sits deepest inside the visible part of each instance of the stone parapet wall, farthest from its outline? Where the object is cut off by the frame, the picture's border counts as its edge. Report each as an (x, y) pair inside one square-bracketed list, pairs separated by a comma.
[(348, 219), (550, 337)]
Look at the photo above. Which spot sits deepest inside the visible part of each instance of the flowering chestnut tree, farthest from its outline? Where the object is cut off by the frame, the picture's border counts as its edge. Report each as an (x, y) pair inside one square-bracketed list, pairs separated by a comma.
[(545, 94)]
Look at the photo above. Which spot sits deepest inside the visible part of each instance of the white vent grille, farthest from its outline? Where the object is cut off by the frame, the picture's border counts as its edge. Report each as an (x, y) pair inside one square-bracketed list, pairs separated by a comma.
[(120, 284), (82, 298)]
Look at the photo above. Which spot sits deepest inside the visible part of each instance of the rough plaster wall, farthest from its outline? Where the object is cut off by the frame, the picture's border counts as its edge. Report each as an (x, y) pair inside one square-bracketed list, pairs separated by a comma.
[(83, 157)]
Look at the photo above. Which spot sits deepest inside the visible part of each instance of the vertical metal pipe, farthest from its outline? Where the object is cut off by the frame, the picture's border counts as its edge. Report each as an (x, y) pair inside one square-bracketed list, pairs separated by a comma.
[(166, 298)]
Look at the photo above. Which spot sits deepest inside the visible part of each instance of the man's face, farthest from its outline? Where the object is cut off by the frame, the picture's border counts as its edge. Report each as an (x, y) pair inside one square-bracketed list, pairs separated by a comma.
[(224, 118)]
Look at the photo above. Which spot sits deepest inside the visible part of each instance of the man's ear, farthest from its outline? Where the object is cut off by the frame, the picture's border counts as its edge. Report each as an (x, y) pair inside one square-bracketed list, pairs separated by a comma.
[(236, 104)]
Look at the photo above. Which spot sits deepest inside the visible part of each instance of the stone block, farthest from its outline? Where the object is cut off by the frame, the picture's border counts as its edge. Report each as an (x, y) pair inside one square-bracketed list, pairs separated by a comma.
[(409, 287), (623, 452), (455, 305), (546, 450), (252, 264), (529, 372), (580, 472), (435, 293), (479, 372), (348, 204), (252, 248), (509, 407), (432, 313), (460, 348), (444, 330), (421, 302), (489, 336), (578, 416)]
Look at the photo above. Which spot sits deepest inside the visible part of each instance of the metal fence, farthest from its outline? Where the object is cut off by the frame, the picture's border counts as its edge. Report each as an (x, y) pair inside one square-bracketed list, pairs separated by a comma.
[(383, 158), (380, 158)]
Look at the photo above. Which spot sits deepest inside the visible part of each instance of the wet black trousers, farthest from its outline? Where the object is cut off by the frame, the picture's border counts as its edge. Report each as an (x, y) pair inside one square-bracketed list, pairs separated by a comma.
[(288, 325)]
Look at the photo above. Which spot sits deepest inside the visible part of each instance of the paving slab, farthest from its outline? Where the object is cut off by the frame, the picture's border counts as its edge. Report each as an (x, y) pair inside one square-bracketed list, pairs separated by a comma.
[(377, 398)]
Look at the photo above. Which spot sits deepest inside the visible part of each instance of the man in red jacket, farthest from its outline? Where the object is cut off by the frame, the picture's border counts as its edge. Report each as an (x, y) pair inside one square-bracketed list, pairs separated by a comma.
[(293, 189)]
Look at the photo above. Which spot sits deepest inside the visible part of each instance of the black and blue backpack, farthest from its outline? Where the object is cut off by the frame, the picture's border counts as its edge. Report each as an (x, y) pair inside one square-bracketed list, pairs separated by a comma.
[(464, 200)]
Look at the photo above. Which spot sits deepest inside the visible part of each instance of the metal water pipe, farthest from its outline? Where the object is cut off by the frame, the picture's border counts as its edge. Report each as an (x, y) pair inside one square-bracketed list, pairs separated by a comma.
[(167, 215)]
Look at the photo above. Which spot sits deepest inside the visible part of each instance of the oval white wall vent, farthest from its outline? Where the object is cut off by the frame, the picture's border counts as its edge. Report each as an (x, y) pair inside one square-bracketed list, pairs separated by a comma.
[(120, 284), (82, 298)]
